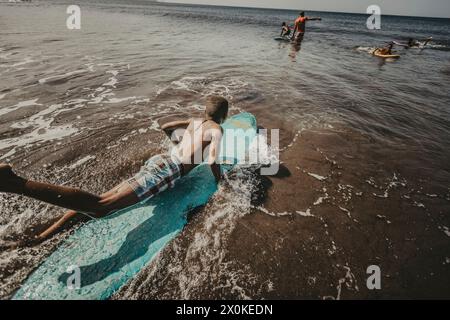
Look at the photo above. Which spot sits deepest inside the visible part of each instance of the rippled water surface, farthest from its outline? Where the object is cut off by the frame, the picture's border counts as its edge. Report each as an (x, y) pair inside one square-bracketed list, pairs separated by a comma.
[(82, 107)]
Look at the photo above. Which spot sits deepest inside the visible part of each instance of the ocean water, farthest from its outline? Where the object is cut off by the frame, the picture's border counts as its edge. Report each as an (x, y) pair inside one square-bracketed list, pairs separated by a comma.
[(82, 107), (137, 50)]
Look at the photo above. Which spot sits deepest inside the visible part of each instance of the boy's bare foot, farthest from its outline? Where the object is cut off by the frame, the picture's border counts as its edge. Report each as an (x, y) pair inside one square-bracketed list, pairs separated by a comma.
[(8, 179), (11, 245)]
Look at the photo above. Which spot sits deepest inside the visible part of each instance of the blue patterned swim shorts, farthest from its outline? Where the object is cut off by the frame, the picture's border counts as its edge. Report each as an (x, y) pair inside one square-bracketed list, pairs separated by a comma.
[(159, 173)]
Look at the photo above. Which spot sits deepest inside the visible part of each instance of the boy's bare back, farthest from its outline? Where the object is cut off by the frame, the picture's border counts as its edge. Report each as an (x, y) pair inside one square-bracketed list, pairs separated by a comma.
[(200, 135)]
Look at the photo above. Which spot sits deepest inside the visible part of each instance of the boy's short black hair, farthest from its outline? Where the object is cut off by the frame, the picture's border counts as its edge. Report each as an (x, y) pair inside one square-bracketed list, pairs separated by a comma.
[(216, 108), (302, 13)]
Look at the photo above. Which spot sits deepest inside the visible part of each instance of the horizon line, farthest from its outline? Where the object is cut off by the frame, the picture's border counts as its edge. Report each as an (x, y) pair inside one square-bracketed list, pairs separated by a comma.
[(294, 9)]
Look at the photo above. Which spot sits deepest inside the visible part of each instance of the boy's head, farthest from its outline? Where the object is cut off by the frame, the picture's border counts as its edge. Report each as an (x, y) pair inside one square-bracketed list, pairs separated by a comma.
[(216, 109), (302, 13), (284, 24)]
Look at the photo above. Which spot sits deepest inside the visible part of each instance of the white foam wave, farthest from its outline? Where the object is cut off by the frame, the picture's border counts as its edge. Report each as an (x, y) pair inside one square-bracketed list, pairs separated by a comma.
[(113, 80), (5, 55), (204, 262), (348, 282), (22, 104), (81, 161)]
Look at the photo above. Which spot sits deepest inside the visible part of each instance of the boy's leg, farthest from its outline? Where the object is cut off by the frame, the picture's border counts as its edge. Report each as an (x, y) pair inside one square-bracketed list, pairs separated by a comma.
[(69, 198), (71, 215)]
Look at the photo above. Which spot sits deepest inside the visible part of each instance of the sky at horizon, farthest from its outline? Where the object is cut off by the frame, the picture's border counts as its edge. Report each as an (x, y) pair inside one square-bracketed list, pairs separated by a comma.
[(421, 8)]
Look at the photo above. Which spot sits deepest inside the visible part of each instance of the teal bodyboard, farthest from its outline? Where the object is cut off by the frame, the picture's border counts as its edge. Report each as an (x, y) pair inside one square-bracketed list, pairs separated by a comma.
[(108, 252)]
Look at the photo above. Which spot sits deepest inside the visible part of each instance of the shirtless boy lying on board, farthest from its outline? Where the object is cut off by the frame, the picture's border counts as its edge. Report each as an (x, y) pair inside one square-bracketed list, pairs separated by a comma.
[(159, 173)]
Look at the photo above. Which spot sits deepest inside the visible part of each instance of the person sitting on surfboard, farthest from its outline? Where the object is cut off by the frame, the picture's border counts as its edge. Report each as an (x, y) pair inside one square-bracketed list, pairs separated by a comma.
[(300, 26), (386, 50), (415, 43), (412, 43), (159, 173), (285, 30)]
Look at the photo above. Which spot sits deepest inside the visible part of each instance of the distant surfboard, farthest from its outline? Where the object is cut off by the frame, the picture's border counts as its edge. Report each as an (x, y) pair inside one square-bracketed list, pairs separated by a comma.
[(282, 39), (108, 252)]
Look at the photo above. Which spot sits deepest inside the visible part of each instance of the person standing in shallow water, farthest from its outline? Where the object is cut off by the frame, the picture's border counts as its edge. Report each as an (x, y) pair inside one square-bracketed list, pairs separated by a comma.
[(300, 26), (159, 173)]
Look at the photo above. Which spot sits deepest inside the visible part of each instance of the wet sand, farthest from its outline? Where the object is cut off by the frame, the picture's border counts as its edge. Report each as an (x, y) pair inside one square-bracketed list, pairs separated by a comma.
[(340, 202), (314, 239)]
